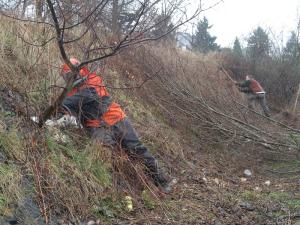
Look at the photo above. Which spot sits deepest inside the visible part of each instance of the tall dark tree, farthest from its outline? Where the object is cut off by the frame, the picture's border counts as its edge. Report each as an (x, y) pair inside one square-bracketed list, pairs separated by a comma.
[(237, 49), (165, 24), (123, 13), (39, 8), (258, 44), (291, 51), (202, 41)]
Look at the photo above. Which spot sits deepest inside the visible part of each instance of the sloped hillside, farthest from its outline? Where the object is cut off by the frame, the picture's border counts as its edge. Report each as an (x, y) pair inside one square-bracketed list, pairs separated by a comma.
[(187, 111)]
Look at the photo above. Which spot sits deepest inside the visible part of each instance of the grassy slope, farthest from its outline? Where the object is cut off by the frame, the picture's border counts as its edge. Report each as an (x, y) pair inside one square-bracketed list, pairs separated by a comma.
[(43, 176)]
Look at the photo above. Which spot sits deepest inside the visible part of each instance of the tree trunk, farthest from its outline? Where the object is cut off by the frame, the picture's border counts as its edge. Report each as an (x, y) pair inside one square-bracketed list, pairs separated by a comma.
[(39, 9), (115, 17), (296, 100), (24, 8)]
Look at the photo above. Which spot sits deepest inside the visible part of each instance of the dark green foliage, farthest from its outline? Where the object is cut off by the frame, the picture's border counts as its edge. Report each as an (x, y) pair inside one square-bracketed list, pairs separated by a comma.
[(108, 208), (258, 44), (164, 26), (237, 49), (291, 51), (202, 41)]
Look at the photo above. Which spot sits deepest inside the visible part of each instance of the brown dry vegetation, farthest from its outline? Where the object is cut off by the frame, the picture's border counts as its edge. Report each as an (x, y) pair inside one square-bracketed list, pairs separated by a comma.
[(185, 109)]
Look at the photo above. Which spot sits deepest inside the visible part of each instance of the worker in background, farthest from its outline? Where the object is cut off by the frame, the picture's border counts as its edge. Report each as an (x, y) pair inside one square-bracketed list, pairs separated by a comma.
[(255, 93)]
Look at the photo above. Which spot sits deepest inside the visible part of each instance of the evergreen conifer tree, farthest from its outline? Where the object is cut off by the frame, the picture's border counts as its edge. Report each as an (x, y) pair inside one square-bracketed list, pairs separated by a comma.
[(237, 49), (291, 51), (258, 44), (202, 41)]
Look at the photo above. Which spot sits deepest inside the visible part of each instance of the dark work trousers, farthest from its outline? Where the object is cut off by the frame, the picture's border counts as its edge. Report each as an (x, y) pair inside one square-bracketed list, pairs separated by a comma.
[(261, 99), (124, 134)]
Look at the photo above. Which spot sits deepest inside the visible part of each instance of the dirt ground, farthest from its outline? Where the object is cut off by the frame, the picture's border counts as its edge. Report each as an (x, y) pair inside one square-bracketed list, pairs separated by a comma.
[(213, 189)]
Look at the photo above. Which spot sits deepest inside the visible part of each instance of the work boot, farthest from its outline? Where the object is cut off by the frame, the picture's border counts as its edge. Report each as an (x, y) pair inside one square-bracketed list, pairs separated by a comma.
[(166, 187), (160, 180), (163, 183)]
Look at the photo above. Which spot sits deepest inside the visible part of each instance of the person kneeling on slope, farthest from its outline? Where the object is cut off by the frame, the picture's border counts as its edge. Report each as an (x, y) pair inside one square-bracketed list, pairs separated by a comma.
[(104, 119)]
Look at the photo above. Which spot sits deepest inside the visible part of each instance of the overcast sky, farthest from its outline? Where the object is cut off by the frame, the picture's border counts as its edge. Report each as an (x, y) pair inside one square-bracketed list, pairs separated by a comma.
[(233, 18)]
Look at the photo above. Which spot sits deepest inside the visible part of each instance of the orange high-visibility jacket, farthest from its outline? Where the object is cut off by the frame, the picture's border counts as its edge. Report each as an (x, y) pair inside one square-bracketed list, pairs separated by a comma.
[(91, 102), (251, 86), (255, 87)]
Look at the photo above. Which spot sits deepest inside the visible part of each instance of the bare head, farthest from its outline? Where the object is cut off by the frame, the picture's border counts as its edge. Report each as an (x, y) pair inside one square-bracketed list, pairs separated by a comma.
[(66, 71), (249, 77)]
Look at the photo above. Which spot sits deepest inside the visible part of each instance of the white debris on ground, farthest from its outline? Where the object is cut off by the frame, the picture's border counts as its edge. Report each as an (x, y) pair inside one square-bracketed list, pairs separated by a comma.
[(247, 173), (267, 182), (53, 126), (243, 179), (258, 189), (216, 180)]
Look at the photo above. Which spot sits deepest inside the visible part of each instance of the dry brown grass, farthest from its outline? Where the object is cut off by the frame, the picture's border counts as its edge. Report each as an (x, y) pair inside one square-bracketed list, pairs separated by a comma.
[(192, 92), (186, 107)]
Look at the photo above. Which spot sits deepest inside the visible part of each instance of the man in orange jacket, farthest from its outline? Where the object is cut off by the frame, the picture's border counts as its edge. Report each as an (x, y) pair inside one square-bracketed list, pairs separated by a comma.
[(104, 119), (255, 92)]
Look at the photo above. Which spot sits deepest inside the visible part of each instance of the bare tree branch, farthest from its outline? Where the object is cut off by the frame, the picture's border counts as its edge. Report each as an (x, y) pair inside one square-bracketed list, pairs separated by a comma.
[(25, 20), (48, 112), (104, 2), (120, 44)]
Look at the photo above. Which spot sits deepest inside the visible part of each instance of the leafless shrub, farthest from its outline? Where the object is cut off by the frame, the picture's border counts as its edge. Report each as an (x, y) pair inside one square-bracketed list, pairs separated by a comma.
[(192, 90)]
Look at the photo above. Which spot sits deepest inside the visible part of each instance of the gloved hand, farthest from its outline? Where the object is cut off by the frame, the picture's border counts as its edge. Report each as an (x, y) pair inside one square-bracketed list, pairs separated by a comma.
[(64, 121)]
